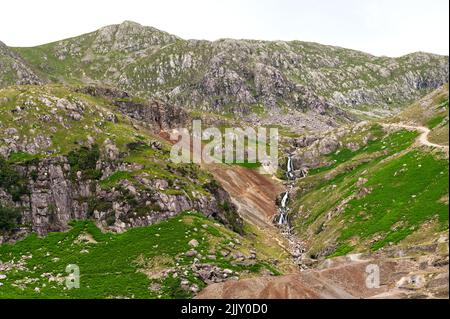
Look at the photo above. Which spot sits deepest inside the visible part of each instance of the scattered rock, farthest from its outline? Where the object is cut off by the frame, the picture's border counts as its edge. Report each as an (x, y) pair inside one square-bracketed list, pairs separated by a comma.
[(193, 243), (191, 253)]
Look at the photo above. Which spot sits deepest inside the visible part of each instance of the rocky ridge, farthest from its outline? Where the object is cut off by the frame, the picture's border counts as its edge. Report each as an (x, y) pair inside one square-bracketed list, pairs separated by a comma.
[(241, 76)]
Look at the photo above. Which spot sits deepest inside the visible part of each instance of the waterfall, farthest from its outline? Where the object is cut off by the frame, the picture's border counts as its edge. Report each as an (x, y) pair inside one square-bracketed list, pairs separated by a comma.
[(284, 200), (289, 169), (283, 222), (283, 205), (283, 209)]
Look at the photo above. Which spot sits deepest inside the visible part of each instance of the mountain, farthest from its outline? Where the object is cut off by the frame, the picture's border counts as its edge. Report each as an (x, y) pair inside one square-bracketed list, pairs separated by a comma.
[(227, 76), (86, 177)]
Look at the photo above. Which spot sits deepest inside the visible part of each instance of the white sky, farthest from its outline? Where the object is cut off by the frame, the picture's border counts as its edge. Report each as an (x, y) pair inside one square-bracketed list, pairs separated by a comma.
[(380, 27)]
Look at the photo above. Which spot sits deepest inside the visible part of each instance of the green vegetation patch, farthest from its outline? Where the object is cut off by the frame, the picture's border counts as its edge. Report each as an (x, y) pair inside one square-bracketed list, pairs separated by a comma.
[(11, 181), (84, 160), (406, 192), (115, 178), (9, 218), (435, 121), (391, 144), (126, 265)]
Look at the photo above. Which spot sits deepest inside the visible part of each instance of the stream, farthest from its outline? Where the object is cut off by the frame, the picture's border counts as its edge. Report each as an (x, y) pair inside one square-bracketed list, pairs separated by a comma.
[(296, 247)]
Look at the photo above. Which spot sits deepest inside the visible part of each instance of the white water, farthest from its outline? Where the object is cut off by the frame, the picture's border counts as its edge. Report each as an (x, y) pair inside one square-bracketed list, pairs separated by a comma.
[(283, 205), (281, 221), (295, 246), (283, 209), (284, 200), (289, 168)]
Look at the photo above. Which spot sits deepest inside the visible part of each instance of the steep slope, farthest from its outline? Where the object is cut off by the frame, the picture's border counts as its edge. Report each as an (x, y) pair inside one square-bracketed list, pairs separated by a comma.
[(240, 75), (68, 155), (14, 70), (173, 259), (386, 184)]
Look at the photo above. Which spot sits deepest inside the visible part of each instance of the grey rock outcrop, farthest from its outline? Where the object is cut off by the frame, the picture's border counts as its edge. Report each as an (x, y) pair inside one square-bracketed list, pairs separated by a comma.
[(55, 197), (234, 76), (161, 115), (15, 70)]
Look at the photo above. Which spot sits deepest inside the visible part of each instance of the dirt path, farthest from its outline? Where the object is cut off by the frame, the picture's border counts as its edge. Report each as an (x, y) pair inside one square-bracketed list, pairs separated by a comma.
[(423, 137)]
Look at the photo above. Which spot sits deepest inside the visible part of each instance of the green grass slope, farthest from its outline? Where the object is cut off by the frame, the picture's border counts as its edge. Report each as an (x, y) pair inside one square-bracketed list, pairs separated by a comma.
[(146, 262), (432, 111), (377, 196)]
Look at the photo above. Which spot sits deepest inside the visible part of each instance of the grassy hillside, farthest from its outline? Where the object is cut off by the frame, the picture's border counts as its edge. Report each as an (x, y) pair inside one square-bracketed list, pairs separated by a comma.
[(432, 112), (146, 262), (373, 197)]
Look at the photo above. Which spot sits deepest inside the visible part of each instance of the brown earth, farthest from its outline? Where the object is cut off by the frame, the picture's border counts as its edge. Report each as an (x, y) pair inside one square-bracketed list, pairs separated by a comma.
[(342, 277), (254, 194), (345, 278)]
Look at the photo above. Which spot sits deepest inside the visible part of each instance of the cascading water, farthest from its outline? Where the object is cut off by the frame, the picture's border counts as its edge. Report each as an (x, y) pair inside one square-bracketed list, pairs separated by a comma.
[(283, 209), (296, 247), (289, 169), (284, 200)]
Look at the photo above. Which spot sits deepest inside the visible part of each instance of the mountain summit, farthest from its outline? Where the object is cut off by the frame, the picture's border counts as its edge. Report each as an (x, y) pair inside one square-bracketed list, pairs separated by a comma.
[(229, 76)]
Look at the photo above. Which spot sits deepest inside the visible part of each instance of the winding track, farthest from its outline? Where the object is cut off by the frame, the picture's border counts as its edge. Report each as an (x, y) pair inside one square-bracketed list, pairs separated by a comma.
[(423, 137)]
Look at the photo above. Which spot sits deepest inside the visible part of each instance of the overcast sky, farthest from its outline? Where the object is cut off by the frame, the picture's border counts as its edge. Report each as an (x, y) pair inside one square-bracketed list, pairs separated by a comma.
[(380, 27)]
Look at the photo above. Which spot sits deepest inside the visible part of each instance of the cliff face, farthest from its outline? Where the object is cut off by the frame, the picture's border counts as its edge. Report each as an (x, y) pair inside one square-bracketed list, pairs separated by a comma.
[(164, 115), (235, 76), (100, 161), (53, 199)]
